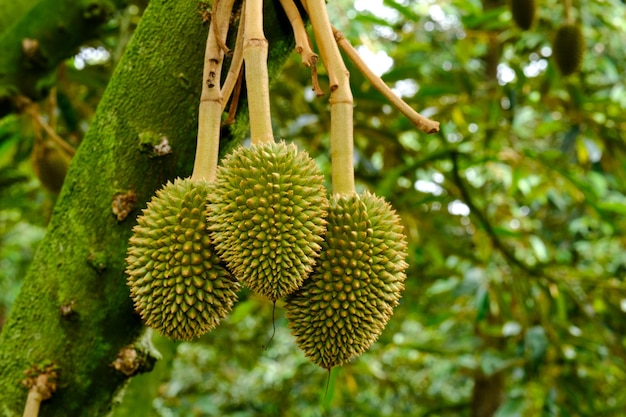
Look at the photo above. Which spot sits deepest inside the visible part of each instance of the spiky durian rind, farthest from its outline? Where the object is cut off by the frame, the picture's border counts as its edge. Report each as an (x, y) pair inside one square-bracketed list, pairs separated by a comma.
[(345, 304), (176, 280), (568, 48), (266, 213)]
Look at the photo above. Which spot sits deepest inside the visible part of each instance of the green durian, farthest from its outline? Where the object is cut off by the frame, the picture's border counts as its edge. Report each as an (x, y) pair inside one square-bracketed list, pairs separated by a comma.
[(568, 48), (345, 304), (524, 12), (176, 280), (266, 216)]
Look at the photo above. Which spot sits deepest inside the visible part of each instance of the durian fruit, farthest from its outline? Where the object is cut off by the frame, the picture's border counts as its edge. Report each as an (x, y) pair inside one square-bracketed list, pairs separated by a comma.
[(178, 283), (176, 280), (345, 304), (524, 12), (568, 48), (266, 216)]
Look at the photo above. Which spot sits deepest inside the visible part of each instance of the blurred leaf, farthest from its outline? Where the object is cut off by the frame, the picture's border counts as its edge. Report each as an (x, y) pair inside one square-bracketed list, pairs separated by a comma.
[(536, 343), (512, 407)]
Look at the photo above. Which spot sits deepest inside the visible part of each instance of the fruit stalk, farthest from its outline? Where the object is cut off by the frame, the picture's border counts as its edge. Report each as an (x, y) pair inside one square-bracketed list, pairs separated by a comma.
[(33, 401), (341, 101), (568, 12), (210, 111), (255, 50)]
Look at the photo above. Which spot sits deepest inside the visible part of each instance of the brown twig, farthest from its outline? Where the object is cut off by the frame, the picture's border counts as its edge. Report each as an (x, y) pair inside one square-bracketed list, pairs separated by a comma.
[(32, 110), (422, 123), (234, 103), (303, 43), (217, 29), (234, 71)]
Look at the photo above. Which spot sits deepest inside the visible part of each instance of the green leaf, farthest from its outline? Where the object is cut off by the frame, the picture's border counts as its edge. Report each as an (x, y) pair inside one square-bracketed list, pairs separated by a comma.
[(539, 248), (536, 344), (512, 407)]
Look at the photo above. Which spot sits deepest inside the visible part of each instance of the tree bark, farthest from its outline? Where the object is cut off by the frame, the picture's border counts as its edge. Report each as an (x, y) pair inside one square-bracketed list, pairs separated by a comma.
[(74, 309), (37, 35)]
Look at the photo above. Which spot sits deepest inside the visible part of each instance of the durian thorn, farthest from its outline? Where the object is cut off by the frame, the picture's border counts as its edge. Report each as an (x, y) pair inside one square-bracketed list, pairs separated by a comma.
[(341, 101), (422, 123), (255, 49), (303, 43), (210, 112), (233, 78)]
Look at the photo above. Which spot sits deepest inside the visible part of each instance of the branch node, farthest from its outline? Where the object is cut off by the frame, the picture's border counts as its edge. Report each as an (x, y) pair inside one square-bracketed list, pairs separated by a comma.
[(41, 381)]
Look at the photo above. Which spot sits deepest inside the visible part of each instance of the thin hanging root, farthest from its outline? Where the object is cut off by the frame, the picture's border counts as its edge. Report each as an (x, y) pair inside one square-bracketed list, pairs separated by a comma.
[(234, 103), (315, 82), (341, 102), (233, 78), (210, 112), (255, 57), (422, 123), (303, 43)]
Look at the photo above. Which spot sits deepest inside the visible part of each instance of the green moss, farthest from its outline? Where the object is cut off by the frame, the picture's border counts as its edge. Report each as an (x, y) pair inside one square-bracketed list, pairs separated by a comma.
[(98, 261), (82, 256)]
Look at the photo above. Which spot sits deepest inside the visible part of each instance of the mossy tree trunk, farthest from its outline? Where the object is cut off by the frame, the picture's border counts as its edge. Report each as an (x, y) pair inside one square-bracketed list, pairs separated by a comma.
[(74, 308), (36, 35)]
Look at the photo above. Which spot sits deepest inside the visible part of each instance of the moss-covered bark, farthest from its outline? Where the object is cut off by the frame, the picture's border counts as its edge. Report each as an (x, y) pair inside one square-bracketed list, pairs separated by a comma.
[(74, 308), (36, 35)]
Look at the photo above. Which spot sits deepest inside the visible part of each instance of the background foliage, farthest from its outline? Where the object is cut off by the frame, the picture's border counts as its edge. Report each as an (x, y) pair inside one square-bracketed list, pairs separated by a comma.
[(515, 214)]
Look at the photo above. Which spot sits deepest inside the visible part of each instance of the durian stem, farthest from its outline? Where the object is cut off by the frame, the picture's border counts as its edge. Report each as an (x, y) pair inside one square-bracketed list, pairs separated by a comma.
[(33, 402), (257, 81), (341, 122), (567, 8), (422, 123), (234, 71), (210, 112)]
